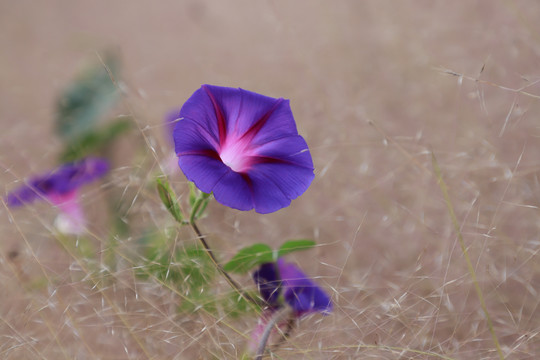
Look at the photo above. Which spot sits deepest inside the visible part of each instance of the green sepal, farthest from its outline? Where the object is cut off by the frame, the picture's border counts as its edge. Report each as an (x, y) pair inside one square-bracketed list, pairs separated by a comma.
[(193, 193), (168, 198), (199, 206)]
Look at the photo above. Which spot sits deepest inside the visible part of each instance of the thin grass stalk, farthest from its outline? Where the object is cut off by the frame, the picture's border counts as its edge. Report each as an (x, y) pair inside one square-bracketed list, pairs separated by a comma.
[(472, 273)]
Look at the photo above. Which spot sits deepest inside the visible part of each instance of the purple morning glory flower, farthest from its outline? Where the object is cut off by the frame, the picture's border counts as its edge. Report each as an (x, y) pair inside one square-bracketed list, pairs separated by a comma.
[(60, 187), (243, 147), (301, 293)]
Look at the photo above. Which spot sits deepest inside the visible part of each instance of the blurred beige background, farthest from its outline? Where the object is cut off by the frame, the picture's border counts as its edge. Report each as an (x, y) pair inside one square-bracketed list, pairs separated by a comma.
[(375, 86)]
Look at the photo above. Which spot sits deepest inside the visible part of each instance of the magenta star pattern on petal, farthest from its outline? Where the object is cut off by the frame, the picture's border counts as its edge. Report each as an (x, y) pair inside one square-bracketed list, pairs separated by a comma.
[(243, 147)]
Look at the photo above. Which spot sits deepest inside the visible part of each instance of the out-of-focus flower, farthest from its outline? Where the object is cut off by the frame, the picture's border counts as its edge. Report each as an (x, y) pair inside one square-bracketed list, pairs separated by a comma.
[(244, 147), (60, 187), (284, 284), (299, 292)]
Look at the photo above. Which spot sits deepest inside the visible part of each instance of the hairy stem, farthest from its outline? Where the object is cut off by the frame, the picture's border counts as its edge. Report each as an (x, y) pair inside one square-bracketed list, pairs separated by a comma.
[(279, 315)]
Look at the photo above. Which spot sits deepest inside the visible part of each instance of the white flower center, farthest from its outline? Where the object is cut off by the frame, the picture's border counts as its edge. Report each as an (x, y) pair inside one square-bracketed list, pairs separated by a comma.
[(236, 155)]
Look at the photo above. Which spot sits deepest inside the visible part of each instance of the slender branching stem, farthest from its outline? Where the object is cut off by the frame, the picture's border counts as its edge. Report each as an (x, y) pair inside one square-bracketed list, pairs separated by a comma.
[(220, 268)]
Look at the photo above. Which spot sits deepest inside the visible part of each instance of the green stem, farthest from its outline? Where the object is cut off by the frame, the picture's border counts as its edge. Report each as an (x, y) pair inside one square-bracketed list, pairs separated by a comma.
[(470, 266), (196, 210)]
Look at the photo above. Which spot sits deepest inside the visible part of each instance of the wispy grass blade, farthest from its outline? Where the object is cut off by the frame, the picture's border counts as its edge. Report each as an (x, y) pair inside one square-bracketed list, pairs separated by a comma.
[(472, 273)]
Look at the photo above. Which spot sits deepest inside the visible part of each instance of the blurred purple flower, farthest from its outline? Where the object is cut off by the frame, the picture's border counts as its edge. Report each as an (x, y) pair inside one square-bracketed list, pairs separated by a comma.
[(243, 147), (60, 188), (301, 293)]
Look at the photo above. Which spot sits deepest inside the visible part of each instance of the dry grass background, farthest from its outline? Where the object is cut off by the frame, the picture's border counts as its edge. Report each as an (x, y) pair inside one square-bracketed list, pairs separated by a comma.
[(371, 92)]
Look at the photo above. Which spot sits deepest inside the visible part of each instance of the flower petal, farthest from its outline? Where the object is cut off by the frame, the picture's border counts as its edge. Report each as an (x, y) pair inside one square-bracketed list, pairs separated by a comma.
[(268, 283), (70, 177), (191, 138), (275, 185), (234, 190), (290, 150), (280, 123), (287, 164), (205, 171), (267, 194), (71, 219), (22, 195), (300, 292), (263, 117), (212, 176), (200, 109), (282, 172), (65, 179)]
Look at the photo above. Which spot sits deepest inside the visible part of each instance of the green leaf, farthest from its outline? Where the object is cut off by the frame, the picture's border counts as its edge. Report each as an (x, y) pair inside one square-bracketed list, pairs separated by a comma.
[(93, 141), (168, 197), (295, 245), (87, 99), (249, 257)]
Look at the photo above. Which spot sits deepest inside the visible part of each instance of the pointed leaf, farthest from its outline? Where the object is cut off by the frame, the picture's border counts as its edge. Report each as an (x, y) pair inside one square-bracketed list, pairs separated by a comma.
[(249, 257), (295, 245), (193, 193)]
